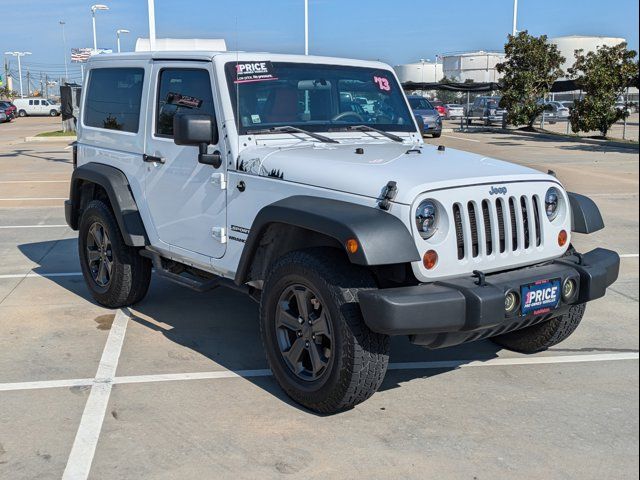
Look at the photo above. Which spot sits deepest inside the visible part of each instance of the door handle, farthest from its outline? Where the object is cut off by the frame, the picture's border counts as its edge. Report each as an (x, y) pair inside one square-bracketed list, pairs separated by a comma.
[(152, 159)]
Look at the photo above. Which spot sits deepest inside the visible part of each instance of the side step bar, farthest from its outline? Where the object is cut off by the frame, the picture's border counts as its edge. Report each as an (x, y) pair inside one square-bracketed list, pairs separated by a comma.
[(200, 286)]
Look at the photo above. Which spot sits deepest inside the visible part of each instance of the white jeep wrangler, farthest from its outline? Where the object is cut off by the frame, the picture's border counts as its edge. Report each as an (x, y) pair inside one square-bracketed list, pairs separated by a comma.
[(304, 182)]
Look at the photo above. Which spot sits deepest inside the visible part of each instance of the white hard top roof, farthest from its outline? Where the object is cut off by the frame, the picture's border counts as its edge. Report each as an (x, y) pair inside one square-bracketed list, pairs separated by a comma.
[(225, 57)]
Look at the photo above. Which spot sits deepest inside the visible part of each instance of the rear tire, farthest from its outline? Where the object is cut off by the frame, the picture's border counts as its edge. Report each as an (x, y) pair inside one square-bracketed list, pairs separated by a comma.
[(22, 113), (544, 335), (53, 113), (353, 359), (115, 273)]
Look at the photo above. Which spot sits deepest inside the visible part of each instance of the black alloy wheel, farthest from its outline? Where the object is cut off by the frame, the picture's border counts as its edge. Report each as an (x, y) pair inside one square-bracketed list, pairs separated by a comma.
[(303, 332), (99, 255)]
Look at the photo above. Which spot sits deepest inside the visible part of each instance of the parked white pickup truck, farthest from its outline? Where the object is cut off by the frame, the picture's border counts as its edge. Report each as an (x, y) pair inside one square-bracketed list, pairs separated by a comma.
[(260, 172)]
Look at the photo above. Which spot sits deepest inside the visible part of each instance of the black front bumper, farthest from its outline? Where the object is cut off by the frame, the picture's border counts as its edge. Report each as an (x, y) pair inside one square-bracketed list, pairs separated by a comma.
[(456, 311)]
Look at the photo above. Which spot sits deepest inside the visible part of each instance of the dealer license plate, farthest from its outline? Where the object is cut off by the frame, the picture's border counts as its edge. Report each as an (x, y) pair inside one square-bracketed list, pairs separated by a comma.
[(540, 297)]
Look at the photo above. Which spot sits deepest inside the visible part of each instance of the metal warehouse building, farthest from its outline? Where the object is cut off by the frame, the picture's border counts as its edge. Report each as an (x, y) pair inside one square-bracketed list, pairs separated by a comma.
[(479, 66), (423, 71)]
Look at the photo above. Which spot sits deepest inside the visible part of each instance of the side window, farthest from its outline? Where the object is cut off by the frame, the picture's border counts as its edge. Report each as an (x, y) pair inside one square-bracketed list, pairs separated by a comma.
[(113, 99), (45, 103), (30, 102), (181, 90)]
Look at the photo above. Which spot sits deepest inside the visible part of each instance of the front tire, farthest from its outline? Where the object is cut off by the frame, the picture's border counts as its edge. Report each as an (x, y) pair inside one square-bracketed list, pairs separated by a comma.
[(116, 274), (320, 350), (544, 335), (22, 113), (437, 135), (53, 113)]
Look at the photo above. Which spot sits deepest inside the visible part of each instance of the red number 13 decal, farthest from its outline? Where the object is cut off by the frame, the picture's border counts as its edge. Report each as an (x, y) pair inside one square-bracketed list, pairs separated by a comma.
[(383, 84)]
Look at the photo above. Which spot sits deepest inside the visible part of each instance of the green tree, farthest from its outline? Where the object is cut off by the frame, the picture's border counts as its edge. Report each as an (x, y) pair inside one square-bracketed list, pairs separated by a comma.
[(447, 96), (6, 93), (603, 76), (531, 67)]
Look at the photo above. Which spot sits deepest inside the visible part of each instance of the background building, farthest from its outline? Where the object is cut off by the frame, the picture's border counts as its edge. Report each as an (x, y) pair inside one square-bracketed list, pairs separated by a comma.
[(569, 44), (423, 71), (477, 66)]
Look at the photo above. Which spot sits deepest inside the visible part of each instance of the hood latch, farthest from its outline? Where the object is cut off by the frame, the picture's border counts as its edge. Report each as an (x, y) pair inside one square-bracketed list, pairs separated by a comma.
[(388, 194)]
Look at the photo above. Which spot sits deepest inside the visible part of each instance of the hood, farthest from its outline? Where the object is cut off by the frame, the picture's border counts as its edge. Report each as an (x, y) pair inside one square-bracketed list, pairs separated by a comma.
[(415, 168)]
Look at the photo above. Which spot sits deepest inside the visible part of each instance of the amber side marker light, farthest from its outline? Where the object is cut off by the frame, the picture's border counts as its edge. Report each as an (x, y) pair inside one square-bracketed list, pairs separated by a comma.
[(352, 245), (430, 259), (562, 238)]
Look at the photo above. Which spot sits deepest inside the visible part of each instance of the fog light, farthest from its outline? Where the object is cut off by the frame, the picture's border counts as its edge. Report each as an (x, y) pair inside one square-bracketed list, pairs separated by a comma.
[(510, 302), (430, 259), (562, 238), (568, 289)]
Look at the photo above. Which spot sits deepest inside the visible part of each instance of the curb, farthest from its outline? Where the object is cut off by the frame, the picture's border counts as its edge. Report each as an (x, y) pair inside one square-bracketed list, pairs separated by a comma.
[(51, 139), (588, 141)]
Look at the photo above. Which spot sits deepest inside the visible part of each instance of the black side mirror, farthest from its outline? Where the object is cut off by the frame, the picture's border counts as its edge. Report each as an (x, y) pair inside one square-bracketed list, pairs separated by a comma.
[(420, 122), (200, 131)]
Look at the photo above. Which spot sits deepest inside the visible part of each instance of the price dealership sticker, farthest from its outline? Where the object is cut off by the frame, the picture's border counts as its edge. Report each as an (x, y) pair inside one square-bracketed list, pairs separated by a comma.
[(248, 72)]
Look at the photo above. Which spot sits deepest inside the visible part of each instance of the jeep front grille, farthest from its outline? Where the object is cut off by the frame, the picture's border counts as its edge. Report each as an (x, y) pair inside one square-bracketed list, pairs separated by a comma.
[(497, 226)]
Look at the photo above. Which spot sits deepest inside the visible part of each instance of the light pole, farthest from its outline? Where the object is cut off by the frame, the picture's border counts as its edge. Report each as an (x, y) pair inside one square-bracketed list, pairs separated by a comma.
[(152, 25), (118, 33), (64, 45), (515, 18), (306, 27), (19, 55), (94, 9)]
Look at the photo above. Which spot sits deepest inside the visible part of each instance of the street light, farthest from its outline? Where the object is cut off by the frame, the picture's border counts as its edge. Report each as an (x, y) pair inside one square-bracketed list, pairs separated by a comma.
[(94, 9), (19, 55), (118, 33), (64, 44), (306, 27)]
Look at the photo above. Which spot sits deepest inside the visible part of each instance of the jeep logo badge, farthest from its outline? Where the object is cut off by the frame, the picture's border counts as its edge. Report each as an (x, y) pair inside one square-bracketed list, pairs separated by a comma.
[(498, 191)]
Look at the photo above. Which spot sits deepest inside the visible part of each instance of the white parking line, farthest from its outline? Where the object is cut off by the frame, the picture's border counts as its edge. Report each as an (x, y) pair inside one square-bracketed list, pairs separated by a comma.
[(84, 445), (31, 199), (629, 255), (462, 138), (43, 275), (8, 227), (76, 382), (32, 181), (435, 365)]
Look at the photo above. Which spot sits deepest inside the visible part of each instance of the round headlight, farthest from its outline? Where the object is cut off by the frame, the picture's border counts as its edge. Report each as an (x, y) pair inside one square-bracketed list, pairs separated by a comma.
[(427, 219), (552, 203)]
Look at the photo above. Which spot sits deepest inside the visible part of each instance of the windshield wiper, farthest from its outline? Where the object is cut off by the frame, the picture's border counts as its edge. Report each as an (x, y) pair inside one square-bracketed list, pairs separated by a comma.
[(290, 129), (367, 128)]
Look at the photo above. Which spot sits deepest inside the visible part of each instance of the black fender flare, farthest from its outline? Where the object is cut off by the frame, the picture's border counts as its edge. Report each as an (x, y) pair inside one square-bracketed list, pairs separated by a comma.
[(118, 190), (382, 238), (585, 214)]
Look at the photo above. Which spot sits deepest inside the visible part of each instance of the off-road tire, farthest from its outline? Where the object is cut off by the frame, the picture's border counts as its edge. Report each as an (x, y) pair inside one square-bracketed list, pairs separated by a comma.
[(131, 273), (544, 335), (359, 358)]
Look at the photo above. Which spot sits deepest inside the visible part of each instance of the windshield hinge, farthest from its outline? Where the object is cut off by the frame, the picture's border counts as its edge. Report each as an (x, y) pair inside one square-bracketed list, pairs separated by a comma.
[(219, 179), (220, 234)]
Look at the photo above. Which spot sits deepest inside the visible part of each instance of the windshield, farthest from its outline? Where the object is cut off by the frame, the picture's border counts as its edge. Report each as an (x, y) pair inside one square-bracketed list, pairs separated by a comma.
[(317, 98), (420, 104)]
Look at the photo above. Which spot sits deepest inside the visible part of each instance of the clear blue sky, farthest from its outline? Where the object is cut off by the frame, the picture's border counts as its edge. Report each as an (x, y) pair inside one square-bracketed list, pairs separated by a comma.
[(395, 32)]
